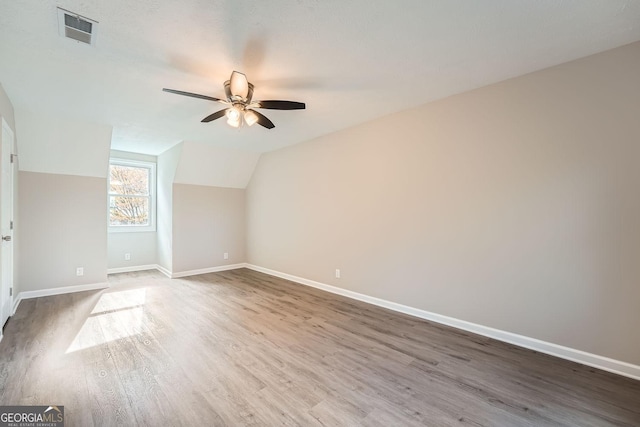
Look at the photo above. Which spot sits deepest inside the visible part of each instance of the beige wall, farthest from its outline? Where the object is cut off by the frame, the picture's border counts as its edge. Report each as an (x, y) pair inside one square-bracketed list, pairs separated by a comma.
[(207, 222), (140, 245), (62, 226), (61, 223), (515, 206)]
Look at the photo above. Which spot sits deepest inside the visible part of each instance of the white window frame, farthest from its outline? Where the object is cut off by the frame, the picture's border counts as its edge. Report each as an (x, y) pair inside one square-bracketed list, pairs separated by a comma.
[(152, 196)]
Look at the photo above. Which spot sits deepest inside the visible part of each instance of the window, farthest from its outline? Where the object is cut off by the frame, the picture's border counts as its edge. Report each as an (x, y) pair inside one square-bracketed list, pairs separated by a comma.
[(131, 201)]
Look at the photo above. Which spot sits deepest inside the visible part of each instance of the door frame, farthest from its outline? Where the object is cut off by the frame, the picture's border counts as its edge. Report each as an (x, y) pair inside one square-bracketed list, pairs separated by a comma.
[(4, 127)]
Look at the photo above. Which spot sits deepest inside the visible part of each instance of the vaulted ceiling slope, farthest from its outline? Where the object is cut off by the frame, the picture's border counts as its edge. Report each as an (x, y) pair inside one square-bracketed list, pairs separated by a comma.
[(350, 61)]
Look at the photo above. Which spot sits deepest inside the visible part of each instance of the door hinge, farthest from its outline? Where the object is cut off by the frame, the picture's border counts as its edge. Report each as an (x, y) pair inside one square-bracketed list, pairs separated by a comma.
[(10, 225), (10, 292), (13, 158)]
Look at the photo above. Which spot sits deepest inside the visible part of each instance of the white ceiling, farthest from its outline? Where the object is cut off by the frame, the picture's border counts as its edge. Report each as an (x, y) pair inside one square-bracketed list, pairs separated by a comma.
[(350, 61)]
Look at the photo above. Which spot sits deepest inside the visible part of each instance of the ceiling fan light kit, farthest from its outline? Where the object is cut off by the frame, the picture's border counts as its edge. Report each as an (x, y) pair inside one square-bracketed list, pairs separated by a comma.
[(233, 117), (239, 94), (250, 117)]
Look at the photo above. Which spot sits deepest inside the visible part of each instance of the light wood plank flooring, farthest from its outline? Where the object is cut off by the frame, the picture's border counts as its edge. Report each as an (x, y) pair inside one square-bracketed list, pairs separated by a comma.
[(244, 348)]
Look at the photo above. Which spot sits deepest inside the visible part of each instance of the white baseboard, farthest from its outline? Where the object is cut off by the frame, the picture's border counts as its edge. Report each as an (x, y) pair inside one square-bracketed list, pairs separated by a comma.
[(56, 291), (178, 274), (63, 290), (579, 356), (172, 275), (207, 270), (163, 270), (132, 269), (16, 303)]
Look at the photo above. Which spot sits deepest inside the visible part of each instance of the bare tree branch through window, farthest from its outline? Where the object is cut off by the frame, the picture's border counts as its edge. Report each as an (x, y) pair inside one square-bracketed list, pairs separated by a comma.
[(128, 195)]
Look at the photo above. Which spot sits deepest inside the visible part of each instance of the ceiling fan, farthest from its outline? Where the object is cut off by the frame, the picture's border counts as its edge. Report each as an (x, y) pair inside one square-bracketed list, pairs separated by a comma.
[(239, 94)]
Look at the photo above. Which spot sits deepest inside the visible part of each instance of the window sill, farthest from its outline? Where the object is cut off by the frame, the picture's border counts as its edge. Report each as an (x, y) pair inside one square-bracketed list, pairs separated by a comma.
[(131, 229)]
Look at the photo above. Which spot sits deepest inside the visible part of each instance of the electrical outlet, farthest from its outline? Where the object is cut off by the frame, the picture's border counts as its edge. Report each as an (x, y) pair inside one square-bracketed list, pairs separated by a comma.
[(80, 271), (226, 255), (337, 273), (127, 257)]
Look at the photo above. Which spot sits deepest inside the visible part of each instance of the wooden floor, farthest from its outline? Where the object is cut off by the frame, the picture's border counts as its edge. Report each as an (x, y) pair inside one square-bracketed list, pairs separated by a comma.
[(244, 348)]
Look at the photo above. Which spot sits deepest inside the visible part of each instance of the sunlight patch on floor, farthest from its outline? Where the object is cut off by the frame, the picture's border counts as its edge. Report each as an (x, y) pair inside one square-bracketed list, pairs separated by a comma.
[(117, 315), (110, 301)]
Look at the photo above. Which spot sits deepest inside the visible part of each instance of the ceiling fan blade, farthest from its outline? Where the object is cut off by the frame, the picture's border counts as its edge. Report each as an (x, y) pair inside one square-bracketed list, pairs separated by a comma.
[(264, 121), (239, 85), (280, 105), (214, 116), (193, 95)]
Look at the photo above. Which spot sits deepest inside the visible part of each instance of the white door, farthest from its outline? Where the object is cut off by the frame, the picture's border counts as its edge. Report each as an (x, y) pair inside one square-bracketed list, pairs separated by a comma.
[(6, 224)]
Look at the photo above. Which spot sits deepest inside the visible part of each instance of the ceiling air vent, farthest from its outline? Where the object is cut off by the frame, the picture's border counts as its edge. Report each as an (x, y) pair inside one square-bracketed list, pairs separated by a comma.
[(76, 27)]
